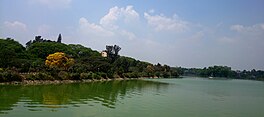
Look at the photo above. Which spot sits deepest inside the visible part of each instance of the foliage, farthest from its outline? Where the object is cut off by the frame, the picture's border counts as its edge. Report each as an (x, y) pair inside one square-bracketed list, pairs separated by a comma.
[(40, 76), (59, 60), (86, 75), (75, 76), (50, 60), (81, 51), (11, 52), (59, 38), (9, 76), (112, 52), (63, 75), (43, 49), (223, 71)]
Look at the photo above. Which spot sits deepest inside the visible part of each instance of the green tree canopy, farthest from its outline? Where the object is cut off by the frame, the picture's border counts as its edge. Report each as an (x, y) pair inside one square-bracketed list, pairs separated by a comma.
[(10, 51), (43, 49)]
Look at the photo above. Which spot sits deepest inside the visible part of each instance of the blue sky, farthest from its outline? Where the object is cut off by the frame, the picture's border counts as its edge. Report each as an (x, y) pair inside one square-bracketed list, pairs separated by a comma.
[(187, 33)]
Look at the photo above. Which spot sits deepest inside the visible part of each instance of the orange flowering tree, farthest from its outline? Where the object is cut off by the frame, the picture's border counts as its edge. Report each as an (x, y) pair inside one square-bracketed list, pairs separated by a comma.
[(59, 60)]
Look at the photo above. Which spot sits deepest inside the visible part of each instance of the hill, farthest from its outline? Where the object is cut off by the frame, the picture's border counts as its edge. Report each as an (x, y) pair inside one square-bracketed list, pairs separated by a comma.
[(19, 63)]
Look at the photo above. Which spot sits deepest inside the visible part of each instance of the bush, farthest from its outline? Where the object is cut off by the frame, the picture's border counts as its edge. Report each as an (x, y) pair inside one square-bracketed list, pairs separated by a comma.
[(2, 77), (31, 77), (131, 75), (63, 75), (174, 74), (39, 76), (44, 76), (86, 75), (102, 75), (134, 75), (127, 75), (75, 76), (9, 76), (166, 75), (96, 76), (116, 76), (1, 70), (157, 74), (110, 75), (143, 74)]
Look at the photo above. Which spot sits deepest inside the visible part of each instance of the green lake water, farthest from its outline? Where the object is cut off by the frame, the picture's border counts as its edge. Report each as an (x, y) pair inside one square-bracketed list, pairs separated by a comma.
[(187, 97)]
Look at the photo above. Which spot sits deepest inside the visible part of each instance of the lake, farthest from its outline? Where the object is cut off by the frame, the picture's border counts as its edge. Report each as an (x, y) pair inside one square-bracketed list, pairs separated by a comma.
[(186, 97)]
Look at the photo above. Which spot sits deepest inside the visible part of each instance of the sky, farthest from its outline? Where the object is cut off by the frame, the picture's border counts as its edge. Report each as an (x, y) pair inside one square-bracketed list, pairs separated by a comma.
[(186, 33)]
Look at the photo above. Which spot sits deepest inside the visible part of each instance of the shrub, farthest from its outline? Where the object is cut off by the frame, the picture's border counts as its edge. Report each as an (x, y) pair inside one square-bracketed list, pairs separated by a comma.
[(63, 75), (40, 76), (110, 75), (134, 75), (1, 70), (31, 77), (75, 76), (2, 78), (96, 76), (86, 75), (9, 76), (44, 76), (158, 74), (102, 75), (166, 75), (116, 76)]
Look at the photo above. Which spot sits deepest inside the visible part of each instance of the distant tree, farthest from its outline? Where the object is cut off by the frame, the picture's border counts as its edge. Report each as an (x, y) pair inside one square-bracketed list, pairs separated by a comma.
[(82, 51), (38, 39), (43, 49), (10, 52), (166, 68), (150, 70), (112, 51), (59, 38), (28, 43), (116, 49)]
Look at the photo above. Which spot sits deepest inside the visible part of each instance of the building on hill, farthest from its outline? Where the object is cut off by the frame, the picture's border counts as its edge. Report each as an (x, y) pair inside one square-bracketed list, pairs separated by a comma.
[(104, 53)]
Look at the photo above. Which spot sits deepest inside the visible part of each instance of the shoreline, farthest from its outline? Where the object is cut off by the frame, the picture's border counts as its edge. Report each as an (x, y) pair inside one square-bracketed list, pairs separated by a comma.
[(47, 82)]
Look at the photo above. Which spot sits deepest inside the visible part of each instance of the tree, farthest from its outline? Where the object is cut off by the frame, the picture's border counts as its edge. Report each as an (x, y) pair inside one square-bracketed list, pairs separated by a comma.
[(82, 51), (43, 49), (59, 60), (150, 70), (116, 49), (59, 38), (28, 43), (11, 51), (112, 51)]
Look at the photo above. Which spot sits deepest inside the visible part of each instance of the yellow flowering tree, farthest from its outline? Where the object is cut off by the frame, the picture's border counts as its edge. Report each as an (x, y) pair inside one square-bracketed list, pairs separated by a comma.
[(59, 60)]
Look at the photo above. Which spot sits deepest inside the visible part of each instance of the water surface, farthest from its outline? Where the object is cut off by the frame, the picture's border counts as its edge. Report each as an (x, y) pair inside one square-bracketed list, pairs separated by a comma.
[(187, 97)]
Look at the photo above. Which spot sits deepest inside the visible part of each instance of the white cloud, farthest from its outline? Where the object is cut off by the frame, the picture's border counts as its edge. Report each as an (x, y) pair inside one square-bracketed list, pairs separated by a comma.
[(257, 28), (110, 24), (127, 14), (16, 25), (52, 3), (237, 28), (16, 30), (160, 22), (87, 28), (127, 34), (151, 11), (262, 26), (227, 40)]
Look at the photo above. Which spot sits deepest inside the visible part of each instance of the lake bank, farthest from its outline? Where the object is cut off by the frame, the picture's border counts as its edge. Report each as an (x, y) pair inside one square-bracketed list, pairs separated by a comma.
[(46, 82)]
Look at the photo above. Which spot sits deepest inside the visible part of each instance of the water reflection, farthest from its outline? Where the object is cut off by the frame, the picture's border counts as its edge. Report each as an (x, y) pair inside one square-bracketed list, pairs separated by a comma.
[(107, 94)]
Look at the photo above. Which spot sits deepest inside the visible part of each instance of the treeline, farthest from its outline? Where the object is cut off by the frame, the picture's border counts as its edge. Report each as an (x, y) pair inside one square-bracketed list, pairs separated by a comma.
[(222, 71), (19, 63)]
